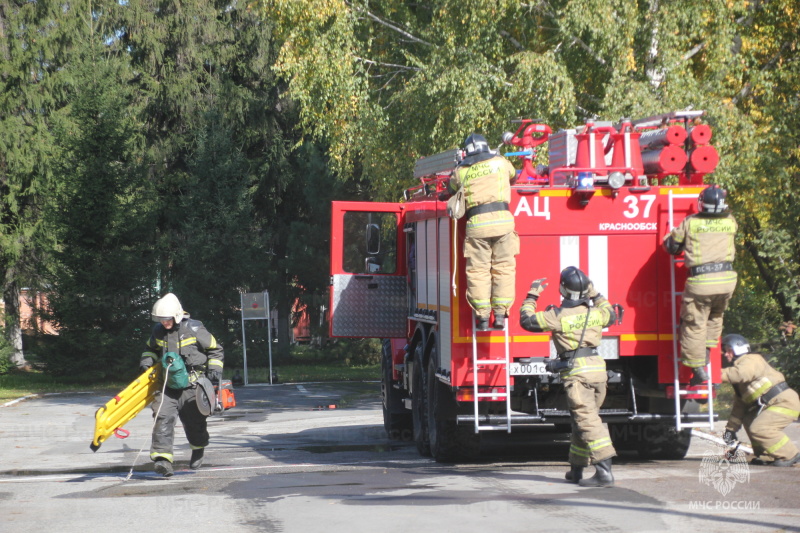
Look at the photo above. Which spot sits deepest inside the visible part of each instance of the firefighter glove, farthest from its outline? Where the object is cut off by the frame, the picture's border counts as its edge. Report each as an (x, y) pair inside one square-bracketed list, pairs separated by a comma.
[(145, 364), (537, 287), (729, 437), (215, 375), (591, 292)]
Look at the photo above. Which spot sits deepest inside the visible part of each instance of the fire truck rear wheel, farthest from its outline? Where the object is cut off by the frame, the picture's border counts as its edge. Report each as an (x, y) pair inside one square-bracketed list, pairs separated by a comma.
[(419, 405), (448, 441), (664, 441)]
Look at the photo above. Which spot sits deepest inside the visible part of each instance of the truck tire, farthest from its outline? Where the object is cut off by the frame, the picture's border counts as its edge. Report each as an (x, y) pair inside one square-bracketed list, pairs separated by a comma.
[(419, 404), (663, 441), (396, 418), (651, 441), (448, 441)]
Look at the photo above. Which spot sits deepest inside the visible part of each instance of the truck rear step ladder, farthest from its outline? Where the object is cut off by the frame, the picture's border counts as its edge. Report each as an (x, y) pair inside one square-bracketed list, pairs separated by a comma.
[(678, 391), (506, 365)]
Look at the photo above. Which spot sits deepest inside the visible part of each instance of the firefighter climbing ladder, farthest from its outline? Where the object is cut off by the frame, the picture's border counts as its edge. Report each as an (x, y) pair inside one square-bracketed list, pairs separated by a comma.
[(678, 391), (505, 363)]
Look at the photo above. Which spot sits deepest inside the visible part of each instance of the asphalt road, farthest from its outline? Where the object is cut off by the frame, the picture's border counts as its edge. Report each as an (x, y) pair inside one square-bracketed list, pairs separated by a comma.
[(314, 457)]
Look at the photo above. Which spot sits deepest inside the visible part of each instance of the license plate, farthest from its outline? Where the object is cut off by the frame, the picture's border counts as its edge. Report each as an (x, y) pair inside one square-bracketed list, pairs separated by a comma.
[(527, 369)]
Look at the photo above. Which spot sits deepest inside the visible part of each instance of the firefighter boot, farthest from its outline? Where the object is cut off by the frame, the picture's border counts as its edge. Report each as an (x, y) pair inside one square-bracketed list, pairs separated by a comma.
[(499, 322), (163, 466), (481, 323), (700, 376), (197, 459), (602, 476), (786, 462), (575, 474)]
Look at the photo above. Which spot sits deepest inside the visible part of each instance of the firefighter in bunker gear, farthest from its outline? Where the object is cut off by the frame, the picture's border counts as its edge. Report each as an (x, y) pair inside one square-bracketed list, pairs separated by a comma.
[(707, 240), (577, 328), (491, 244), (763, 403), (176, 332)]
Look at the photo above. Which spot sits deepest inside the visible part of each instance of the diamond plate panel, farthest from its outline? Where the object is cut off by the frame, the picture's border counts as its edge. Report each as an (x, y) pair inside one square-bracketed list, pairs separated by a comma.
[(608, 349), (369, 306)]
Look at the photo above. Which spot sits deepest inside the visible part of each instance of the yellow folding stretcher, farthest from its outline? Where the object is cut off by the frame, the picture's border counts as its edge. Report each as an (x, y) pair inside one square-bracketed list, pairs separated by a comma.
[(123, 407)]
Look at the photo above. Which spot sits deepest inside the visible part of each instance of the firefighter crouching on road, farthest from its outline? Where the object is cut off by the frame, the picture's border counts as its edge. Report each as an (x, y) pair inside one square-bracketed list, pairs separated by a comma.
[(491, 243), (707, 240), (177, 333), (577, 328), (763, 403)]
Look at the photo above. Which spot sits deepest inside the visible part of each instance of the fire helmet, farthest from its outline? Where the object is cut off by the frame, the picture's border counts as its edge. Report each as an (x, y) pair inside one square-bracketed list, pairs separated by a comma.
[(574, 284), (712, 200), (737, 344), (167, 307), (475, 143)]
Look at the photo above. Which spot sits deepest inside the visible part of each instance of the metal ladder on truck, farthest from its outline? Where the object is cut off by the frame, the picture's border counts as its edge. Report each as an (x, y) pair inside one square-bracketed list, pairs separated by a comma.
[(505, 363), (678, 392)]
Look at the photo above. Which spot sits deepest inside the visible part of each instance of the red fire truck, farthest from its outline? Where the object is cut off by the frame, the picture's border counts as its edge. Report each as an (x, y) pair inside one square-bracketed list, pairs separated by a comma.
[(609, 195)]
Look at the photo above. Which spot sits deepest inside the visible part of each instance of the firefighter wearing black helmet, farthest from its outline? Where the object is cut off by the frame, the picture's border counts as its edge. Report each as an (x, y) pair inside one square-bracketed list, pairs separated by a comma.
[(706, 239), (763, 403), (491, 244), (577, 329)]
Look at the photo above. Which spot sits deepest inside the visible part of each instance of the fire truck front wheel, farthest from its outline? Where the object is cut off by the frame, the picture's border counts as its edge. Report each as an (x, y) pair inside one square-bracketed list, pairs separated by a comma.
[(448, 441), (396, 418)]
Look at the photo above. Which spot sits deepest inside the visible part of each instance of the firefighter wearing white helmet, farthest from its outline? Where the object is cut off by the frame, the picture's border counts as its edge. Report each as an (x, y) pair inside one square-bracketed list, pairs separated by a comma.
[(491, 244), (175, 332), (706, 239), (577, 329), (763, 403)]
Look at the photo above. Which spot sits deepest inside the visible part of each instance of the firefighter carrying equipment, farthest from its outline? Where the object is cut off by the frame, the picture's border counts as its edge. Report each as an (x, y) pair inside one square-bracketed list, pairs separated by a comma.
[(206, 397), (177, 375), (123, 407)]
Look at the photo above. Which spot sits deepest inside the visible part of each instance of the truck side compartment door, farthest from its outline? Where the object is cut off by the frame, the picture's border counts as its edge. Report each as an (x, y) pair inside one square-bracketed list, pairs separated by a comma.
[(368, 270)]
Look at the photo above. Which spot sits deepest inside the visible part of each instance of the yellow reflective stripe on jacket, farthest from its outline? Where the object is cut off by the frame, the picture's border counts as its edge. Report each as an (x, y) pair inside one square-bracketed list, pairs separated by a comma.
[(505, 217), (579, 366), (161, 342), (213, 343), (188, 342), (703, 279), (756, 394), (778, 445), (215, 362), (791, 413)]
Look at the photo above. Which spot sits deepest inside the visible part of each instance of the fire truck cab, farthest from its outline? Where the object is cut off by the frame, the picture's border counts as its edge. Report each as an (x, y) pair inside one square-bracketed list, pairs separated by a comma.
[(602, 204)]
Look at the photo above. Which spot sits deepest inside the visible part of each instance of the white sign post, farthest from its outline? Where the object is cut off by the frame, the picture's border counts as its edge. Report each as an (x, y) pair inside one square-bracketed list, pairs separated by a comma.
[(255, 306)]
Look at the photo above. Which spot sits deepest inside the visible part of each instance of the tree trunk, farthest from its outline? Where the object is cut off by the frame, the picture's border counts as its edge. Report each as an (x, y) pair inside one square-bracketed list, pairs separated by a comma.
[(12, 323)]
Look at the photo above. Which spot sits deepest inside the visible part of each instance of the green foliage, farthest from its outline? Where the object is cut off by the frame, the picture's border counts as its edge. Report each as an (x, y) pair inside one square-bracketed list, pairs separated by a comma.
[(6, 351), (786, 357)]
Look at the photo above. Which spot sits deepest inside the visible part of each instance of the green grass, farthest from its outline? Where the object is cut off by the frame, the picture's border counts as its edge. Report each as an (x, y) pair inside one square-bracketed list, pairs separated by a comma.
[(322, 371), (17, 384), (305, 367)]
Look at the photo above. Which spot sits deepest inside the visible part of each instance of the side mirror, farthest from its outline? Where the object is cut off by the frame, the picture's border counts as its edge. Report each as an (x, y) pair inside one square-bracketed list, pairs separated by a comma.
[(373, 239)]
